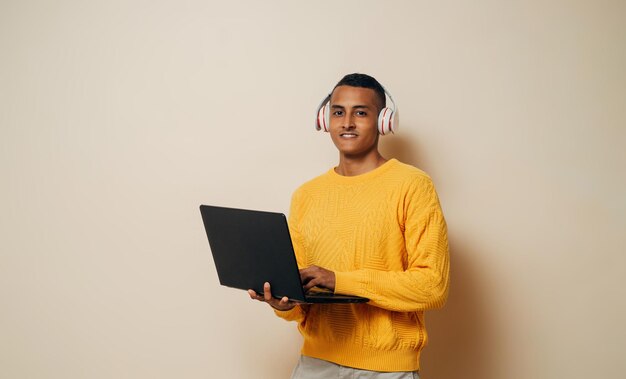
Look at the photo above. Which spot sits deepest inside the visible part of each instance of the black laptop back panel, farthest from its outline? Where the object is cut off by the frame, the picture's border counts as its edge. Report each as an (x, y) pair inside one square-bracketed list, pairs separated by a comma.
[(253, 247)]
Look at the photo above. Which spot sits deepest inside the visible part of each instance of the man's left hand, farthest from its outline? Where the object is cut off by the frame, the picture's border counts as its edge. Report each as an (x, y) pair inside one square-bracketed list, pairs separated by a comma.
[(315, 276)]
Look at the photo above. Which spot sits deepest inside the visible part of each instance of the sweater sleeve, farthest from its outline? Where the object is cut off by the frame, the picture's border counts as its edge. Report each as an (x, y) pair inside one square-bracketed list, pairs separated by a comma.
[(298, 313), (424, 283)]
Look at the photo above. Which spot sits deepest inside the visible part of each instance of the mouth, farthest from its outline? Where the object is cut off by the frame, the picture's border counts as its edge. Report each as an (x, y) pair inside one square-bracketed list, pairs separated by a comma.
[(348, 135)]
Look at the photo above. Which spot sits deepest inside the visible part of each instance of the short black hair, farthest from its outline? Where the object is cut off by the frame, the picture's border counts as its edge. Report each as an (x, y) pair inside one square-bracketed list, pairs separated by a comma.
[(364, 81)]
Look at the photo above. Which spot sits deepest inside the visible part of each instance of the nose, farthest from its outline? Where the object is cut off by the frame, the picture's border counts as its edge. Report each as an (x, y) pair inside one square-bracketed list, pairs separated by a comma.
[(348, 121)]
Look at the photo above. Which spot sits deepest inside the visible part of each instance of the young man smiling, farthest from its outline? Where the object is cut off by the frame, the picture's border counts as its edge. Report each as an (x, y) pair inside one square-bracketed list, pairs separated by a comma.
[(369, 227)]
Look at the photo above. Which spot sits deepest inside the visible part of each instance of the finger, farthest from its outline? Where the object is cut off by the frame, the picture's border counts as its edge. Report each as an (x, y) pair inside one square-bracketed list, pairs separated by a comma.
[(306, 275), (255, 296), (305, 279), (267, 292), (310, 284), (284, 304)]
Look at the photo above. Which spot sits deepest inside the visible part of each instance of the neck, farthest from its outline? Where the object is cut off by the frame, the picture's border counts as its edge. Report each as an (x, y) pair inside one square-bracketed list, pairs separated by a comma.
[(352, 166)]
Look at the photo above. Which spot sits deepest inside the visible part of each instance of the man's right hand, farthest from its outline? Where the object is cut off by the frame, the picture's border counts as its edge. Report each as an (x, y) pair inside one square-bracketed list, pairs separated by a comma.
[(283, 304)]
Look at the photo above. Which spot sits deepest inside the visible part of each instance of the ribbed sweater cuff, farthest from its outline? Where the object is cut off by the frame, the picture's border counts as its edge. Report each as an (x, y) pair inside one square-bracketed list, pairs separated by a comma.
[(348, 283), (294, 314)]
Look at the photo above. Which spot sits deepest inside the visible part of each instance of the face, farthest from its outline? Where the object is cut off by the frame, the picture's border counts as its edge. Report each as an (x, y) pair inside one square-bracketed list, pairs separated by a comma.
[(353, 118)]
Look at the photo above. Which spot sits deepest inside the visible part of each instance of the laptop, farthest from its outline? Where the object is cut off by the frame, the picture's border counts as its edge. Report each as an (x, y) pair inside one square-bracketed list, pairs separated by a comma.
[(253, 247)]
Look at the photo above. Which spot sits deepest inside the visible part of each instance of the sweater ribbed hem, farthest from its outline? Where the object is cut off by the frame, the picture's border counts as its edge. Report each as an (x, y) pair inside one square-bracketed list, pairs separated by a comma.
[(363, 358)]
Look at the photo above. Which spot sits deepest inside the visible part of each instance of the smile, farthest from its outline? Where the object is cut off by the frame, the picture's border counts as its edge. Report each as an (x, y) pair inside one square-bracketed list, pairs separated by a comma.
[(348, 135)]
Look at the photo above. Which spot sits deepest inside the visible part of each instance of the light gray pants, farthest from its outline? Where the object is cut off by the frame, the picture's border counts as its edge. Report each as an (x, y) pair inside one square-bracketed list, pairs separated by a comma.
[(313, 368)]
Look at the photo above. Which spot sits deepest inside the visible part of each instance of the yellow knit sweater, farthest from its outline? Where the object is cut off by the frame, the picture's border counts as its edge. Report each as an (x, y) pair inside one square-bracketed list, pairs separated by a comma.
[(384, 236)]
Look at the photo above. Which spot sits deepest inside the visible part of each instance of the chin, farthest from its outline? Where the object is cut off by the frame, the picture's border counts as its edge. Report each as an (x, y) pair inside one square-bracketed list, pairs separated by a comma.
[(353, 154)]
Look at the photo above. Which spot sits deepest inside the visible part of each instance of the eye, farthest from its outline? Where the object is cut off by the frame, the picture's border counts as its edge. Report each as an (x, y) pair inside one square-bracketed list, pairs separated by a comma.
[(338, 113), (361, 113)]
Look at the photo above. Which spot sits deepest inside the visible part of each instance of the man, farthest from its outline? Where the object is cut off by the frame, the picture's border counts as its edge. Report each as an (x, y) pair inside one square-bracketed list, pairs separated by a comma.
[(370, 227)]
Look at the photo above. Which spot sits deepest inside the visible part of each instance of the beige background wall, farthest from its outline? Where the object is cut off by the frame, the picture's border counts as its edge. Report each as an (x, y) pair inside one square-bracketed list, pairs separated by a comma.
[(118, 118)]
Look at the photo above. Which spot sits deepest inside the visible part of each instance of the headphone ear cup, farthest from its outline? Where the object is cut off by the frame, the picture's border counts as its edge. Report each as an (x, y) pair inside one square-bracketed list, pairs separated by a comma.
[(319, 121), (386, 121), (327, 117), (394, 121), (322, 122)]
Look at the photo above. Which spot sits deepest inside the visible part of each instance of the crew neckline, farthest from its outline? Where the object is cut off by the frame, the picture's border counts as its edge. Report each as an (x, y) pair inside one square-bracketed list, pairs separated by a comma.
[(333, 175)]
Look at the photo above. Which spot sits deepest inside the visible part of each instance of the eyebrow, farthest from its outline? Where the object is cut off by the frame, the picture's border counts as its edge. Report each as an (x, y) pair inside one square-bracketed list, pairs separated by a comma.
[(356, 106)]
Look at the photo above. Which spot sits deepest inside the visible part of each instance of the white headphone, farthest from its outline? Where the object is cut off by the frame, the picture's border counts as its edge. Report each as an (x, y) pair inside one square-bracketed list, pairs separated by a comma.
[(387, 118)]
